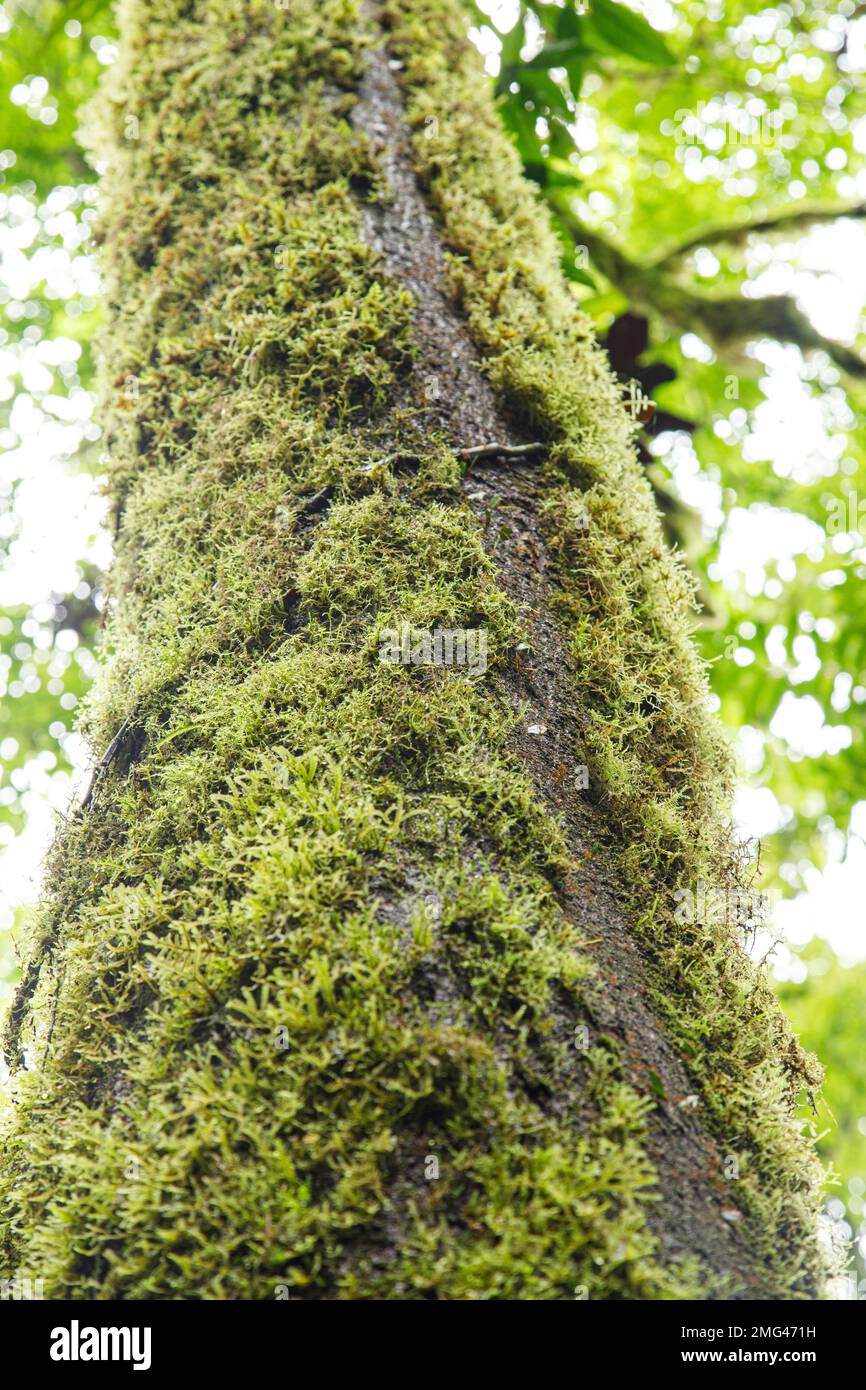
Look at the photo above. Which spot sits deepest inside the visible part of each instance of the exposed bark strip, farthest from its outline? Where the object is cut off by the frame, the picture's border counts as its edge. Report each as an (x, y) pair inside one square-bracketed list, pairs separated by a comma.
[(505, 498)]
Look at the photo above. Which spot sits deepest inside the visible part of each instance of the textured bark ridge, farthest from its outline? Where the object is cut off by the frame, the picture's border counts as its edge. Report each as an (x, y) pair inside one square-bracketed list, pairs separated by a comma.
[(507, 503), (345, 984)]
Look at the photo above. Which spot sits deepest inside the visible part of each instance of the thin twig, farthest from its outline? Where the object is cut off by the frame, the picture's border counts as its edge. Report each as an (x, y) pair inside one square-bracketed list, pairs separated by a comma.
[(105, 761), (473, 454), (317, 502), (505, 451), (54, 1001), (401, 456)]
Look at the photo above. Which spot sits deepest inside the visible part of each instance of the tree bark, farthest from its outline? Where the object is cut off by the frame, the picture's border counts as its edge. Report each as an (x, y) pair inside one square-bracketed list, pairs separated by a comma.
[(361, 973)]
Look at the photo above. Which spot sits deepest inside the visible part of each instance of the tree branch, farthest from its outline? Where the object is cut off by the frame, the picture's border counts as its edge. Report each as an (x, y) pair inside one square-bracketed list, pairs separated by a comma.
[(726, 320), (780, 221), (770, 316)]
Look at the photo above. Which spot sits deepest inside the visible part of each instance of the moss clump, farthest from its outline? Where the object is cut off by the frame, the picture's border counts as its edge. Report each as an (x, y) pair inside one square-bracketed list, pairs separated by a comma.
[(301, 1007)]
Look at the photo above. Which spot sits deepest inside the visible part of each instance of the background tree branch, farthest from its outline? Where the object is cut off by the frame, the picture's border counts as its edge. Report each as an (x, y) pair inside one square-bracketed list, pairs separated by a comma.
[(781, 220), (726, 320)]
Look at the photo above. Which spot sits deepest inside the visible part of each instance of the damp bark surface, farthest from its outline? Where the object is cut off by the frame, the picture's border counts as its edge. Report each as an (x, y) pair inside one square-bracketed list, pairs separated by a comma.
[(697, 1212)]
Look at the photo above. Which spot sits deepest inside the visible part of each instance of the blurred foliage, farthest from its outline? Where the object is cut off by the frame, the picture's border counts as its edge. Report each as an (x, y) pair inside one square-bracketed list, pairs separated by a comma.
[(49, 66), (826, 1009), (50, 58), (687, 151), (657, 153), (46, 665), (538, 90)]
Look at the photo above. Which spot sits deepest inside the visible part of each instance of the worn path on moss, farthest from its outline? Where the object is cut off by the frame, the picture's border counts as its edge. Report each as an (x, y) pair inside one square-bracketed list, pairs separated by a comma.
[(341, 984)]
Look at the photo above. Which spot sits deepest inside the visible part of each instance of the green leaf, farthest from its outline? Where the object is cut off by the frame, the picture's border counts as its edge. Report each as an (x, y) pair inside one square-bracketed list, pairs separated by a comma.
[(513, 42), (560, 142), (580, 277), (568, 23), (548, 14), (540, 87), (575, 78), (558, 54), (510, 64), (561, 174), (621, 30), (521, 124)]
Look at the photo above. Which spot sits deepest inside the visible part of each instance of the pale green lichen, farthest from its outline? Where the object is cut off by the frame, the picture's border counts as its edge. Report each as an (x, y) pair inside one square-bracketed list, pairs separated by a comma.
[(305, 939)]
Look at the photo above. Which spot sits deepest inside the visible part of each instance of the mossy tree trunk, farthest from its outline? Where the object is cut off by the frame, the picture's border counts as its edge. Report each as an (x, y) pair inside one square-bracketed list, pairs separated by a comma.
[(361, 976)]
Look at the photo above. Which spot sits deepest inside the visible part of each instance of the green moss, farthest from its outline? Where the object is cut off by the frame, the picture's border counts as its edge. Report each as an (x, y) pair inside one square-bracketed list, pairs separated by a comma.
[(305, 939)]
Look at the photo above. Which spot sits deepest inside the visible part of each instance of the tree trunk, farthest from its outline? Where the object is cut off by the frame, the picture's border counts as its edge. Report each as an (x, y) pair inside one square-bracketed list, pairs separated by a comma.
[(395, 950)]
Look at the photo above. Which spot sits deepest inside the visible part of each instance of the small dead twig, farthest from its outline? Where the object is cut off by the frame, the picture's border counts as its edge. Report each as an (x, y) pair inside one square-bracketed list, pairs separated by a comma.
[(473, 454), (318, 502), (54, 1002), (400, 457), (505, 451), (104, 762)]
